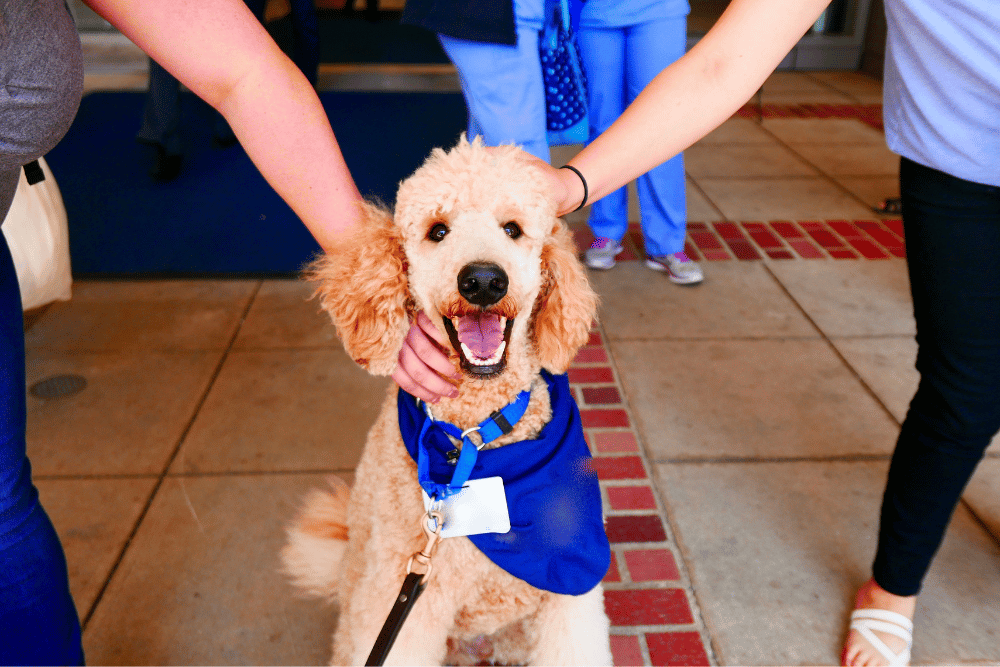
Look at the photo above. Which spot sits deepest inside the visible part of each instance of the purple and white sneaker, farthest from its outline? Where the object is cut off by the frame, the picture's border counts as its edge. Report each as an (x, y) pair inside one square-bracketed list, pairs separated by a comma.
[(680, 268), (601, 253)]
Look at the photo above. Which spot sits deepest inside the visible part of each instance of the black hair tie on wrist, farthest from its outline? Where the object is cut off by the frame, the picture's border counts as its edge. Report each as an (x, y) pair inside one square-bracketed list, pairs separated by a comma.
[(582, 180)]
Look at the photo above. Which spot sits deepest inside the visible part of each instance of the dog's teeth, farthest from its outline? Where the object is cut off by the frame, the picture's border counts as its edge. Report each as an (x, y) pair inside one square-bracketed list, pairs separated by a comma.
[(473, 359), (476, 361), (499, 353)]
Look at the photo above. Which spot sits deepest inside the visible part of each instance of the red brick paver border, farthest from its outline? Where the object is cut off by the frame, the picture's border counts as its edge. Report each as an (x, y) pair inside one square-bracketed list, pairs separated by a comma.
[(647, 595), (773, 239), (801, 239), (870, 114)]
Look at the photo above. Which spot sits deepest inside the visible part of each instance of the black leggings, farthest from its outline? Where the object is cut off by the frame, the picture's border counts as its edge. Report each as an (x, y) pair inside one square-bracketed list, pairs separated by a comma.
[(953, 251)]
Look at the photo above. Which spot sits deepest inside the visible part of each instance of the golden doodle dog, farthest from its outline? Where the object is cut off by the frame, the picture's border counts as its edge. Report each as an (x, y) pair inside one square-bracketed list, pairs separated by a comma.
[(501, 470)]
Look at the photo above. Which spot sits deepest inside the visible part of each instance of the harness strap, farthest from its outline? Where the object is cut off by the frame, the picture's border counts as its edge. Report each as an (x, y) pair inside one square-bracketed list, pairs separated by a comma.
[(497, 424)]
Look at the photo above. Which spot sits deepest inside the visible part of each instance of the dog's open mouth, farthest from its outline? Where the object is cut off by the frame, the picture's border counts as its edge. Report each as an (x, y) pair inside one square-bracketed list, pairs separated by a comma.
[(480, 338)]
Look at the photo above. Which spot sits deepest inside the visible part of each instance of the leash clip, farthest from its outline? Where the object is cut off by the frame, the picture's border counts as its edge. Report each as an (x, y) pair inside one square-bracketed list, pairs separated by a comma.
[(423, 557)]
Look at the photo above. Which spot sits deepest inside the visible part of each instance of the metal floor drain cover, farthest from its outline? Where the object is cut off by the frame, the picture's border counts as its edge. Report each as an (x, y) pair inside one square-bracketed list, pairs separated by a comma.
[(58, 386)]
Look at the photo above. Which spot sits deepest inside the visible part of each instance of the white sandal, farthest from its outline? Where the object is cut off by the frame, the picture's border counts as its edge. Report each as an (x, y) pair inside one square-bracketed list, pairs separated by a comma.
[(867, 620)]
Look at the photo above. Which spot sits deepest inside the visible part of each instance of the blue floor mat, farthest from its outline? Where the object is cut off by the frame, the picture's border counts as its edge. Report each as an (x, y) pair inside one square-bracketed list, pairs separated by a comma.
[(219, 217)]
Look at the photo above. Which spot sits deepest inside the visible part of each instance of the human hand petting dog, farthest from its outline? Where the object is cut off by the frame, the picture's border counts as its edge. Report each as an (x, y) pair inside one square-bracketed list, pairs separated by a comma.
[(424, 370), (565, 186)]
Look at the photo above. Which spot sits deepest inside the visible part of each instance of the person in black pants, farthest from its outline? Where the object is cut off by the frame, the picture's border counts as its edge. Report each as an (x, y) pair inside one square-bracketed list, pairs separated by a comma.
[(952, 229)]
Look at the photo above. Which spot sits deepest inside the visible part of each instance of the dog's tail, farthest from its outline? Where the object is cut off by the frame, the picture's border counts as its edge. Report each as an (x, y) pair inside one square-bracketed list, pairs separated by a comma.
[(317, 540)]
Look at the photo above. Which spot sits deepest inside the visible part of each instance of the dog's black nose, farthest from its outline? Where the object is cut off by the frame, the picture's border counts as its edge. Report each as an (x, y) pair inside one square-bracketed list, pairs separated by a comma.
[(482, 284)]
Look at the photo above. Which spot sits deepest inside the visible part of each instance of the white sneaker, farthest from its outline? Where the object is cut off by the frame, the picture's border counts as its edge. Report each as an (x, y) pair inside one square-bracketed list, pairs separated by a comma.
[(679, 268), (601, 253)]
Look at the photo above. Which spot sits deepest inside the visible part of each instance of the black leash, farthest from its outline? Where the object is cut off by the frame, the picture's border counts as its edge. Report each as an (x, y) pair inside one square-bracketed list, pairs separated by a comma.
[(408, 594), (413, 586)]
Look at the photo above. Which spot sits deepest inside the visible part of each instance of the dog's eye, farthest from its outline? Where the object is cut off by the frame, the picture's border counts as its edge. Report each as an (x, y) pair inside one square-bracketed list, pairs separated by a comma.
[(438, 232), (513, 230)]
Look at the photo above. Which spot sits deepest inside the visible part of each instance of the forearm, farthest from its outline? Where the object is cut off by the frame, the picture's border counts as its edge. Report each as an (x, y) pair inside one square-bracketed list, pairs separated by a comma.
[(219, 50), (694, 95), (285, 130)]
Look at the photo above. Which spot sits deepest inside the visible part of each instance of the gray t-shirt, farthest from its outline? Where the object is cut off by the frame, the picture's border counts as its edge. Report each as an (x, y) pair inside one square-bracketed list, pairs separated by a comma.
[(41, 83)]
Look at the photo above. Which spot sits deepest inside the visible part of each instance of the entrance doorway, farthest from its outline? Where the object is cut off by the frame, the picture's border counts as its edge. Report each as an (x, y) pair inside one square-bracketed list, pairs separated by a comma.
[(835, 41)]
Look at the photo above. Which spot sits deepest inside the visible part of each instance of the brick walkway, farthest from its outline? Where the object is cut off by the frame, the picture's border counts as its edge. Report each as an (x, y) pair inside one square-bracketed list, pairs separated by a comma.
[(870, 114), (648, 596), (776, 239), (784, 239)]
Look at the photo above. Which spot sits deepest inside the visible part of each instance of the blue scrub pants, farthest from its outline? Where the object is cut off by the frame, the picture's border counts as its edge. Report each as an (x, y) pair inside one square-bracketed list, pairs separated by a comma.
[(620, 62), (953, 252), (38, 622), (503, 89)]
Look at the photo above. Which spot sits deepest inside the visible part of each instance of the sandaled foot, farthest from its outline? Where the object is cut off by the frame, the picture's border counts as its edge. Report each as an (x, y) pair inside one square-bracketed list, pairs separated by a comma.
[(881, 629)]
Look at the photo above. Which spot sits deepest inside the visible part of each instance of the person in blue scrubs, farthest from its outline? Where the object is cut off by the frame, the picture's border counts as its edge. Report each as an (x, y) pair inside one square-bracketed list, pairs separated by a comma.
[(624, 44), (494, 47)]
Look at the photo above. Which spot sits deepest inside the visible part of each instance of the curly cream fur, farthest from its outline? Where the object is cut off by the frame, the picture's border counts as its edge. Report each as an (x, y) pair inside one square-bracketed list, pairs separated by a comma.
[(564, 304), (363, 288), (371, 290)]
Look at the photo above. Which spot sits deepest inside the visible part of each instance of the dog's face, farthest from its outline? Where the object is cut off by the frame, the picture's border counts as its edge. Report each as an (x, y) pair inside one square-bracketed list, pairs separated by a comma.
[(476, 245), (475, 251)]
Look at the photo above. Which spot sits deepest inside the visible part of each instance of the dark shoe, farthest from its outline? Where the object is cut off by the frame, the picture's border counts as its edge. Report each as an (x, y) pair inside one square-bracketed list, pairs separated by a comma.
[(167, 166)]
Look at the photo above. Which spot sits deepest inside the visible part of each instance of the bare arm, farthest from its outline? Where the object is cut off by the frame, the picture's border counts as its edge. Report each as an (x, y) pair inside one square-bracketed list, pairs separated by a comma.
[(219, 50), (692, 97)]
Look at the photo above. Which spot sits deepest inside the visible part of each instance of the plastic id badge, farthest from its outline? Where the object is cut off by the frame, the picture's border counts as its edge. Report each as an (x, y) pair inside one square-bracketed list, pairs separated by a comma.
[(480, 507)]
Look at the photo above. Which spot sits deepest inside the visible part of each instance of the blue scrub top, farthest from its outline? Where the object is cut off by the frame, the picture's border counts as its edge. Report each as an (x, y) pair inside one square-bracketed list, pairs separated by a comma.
[(621, 13)]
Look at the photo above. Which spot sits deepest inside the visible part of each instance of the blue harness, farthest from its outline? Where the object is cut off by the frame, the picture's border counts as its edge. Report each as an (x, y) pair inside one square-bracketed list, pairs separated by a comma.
[(557, 540)]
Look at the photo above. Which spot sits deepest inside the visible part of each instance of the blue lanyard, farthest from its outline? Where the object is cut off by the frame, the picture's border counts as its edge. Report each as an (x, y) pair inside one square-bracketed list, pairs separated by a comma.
[(499, 423)]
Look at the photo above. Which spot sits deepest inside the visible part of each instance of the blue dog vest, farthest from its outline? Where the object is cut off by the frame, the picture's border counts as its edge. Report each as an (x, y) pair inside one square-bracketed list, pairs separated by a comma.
[(557, 540)]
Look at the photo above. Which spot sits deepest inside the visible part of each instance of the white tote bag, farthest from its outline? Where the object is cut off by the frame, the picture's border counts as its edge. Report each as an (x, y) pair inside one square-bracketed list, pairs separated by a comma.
[(38, 235)]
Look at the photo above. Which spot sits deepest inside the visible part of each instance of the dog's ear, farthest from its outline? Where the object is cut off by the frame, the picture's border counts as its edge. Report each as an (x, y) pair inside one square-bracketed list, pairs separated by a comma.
[(363, 286), (566, 306)]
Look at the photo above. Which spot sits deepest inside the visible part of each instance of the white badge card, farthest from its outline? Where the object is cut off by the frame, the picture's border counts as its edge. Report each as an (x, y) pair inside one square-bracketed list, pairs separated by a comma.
[(480, 507)]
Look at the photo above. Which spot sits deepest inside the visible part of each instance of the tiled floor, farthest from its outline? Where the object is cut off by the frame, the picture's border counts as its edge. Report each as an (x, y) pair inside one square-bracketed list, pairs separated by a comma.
[(741, 428)]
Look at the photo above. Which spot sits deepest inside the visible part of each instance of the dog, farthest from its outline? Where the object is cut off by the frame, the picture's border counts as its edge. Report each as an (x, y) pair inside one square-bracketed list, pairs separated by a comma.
[(474, 242)]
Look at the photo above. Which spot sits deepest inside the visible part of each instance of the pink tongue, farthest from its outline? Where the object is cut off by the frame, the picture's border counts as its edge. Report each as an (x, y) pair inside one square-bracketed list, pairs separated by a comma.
[(481, 333)]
